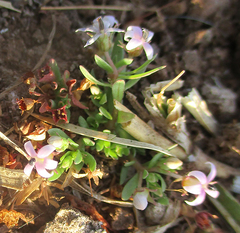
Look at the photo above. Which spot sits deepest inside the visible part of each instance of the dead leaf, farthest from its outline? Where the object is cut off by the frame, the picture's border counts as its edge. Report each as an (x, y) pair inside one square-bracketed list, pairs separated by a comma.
[(9, 6)]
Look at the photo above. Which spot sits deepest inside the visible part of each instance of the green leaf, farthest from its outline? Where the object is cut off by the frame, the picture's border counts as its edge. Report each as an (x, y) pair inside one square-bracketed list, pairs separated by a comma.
[(163, 183), (117, 51), (163, 201), (99, 145), (88, 76), (54, 67), (57, 174), (67, 161), (88, 142), (107, 144), (57, 132), (128, 164), (123, 174), (154, 160), (105, 113), (130, 187), (131, 83), (228, 206), (103, 100), (112, 154), (141, 75), (90, 161), (68, 153), (152, 178), (78, 167), (124, 62), (124, 117), (145, 174), (103, 64), (82, 122), (77, 155), (118, 90)]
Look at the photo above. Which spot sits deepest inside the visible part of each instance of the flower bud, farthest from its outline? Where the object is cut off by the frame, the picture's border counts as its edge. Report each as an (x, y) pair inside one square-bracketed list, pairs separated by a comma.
[(173, 163), (61, 144), (140, 200)]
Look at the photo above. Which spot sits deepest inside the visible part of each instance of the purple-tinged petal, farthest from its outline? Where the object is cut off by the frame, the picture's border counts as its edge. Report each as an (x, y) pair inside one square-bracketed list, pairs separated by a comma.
[(92, 40), (137, 32), (44, 107), (133, 43), (114, 30), (150, 36), (199, 200), (45, 151), (212, 173), (29, 149), (199, 175), (109, 21), (148, 50), (50, 164), (212, 193), (28, 169), (42, 171)]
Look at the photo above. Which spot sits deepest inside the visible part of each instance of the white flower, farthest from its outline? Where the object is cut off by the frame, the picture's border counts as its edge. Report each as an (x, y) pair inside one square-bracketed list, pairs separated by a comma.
[(101, 26), (140, 39), (197, 182), (140, 199)]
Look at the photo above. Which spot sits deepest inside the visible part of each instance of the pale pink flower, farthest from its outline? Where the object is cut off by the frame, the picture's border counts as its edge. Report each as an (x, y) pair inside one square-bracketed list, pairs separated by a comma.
[(140, 39), (197, 183), (40, 160)]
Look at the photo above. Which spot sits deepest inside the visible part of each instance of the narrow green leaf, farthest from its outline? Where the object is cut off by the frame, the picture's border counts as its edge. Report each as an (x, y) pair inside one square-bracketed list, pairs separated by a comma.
[(91, 78), (54, 67), (118, 90), (124, 62), (163, 183), (124, 117), (128, 164), (105, 113), (90, 161), (154, 160), (130, 187), (117, 51), (103, 64), (130, 83), (141, 75)]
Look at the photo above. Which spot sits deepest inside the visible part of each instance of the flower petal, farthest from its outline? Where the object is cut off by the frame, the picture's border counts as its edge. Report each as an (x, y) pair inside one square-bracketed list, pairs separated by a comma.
[(92, 40), (45, 151), (109, 21), (50, 164), (148, 50), (212, 173), (140, 200), (212, 193), (199, 200), (133, 43), (149, 35), (28, 169), (194, 189), (199, 175), (42, 171), (29, 149), (134, 32)]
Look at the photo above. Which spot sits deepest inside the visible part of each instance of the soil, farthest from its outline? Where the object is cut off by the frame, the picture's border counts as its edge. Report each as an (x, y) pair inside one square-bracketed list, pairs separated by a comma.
[(199, 36)]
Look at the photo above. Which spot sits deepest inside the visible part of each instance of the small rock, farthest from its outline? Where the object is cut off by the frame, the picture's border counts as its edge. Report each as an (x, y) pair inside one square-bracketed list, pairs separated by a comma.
[(71, 220), (154, 213)]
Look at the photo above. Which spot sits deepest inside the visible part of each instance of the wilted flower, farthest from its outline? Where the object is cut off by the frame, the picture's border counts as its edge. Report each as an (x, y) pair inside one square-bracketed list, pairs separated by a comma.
[(140, 39), (140, 201), (59, 114), (25, 104), (197, 182), (101, 29), (40, 160)]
